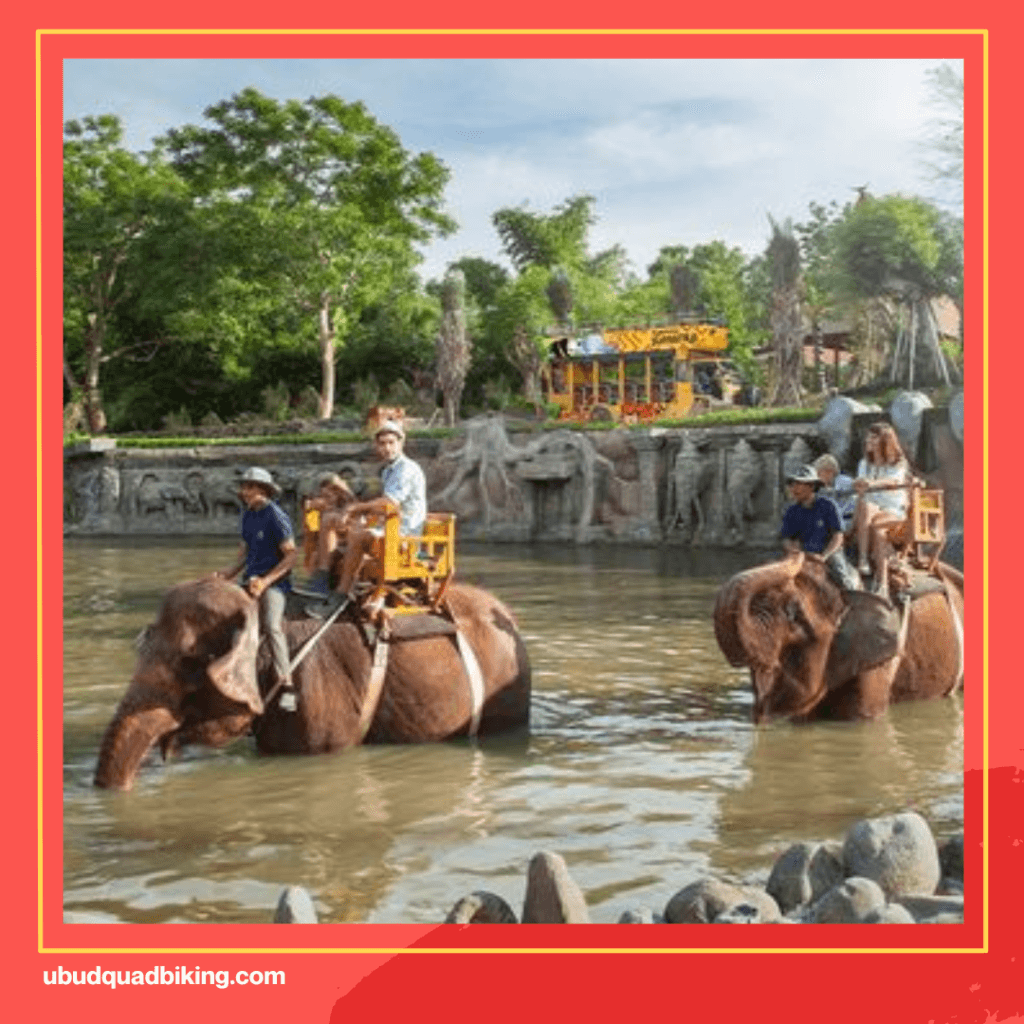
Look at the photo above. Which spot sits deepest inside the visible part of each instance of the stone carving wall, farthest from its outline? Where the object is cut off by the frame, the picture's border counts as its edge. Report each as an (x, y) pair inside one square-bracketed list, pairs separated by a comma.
[(708, 486)]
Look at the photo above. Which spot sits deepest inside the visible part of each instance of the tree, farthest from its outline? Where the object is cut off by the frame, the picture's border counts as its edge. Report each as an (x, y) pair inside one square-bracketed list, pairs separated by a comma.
[(943, 141), (783, 254), (112, 199), (453, 344), (323, 204), (902, 248)]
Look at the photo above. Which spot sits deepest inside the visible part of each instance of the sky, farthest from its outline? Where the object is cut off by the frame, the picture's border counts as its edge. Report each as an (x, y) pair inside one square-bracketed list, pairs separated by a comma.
[(676, 152)]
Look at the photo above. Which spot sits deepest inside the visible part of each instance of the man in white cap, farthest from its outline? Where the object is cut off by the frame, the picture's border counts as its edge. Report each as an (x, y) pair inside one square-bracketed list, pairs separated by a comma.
[(267, 555), (812, 525), (404, 494)]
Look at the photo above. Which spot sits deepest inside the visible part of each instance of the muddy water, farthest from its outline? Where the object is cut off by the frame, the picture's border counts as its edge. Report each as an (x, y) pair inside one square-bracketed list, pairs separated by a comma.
[(641, 767)]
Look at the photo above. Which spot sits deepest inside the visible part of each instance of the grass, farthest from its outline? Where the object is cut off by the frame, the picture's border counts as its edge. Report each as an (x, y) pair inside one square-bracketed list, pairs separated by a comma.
[(720, 417)]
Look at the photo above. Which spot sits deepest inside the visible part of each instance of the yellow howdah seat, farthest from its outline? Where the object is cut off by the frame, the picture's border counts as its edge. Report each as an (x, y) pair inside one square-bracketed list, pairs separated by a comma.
[(414, 569)]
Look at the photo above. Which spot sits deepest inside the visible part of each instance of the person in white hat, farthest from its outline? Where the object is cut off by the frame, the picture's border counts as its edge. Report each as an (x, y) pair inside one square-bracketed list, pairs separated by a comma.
[(404, 494), (812, 524), (265, 560)]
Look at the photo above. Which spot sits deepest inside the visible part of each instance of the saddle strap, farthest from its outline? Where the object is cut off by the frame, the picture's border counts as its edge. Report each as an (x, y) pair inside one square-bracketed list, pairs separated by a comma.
[(375, 685), (476, 681)]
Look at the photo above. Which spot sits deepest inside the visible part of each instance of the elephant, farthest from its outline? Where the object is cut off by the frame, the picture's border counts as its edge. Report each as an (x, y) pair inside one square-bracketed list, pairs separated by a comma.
[(201, 677), (816, 652)]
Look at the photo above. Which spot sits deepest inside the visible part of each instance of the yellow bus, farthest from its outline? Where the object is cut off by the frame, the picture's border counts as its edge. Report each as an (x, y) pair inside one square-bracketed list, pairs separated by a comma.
[(639, 373)]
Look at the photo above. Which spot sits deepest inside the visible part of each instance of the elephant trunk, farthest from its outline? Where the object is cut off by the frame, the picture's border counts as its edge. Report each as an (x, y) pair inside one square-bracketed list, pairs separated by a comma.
[(127, 741), (747, 639)]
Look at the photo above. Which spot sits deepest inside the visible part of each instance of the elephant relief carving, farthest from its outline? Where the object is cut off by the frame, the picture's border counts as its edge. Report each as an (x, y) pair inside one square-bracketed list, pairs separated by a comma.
[(744, 474), (798, 454), (692, 475)]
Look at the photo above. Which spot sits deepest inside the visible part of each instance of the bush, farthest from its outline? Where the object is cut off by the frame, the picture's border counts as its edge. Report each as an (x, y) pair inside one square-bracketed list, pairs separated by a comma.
[(365, 394), (211, 419), (307, 406), (276, 401), (178, 422)]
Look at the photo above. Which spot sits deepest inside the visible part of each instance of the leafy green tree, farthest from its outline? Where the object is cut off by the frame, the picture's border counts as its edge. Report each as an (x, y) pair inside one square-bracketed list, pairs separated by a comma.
[(322, 206), (902, 248), (112, 200)]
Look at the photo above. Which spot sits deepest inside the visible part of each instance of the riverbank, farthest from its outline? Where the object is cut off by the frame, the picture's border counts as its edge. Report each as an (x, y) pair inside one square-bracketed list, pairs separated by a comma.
[(887, 870)]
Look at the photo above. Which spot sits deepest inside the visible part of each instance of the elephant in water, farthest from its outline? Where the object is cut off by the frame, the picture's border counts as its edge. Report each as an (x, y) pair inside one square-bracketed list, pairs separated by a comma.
[(817, 652), (201, 678)]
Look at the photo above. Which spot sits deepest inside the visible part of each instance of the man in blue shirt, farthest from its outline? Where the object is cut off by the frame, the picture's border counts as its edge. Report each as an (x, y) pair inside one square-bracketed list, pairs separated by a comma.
[(812, 525), (405, 495), (265, 560)]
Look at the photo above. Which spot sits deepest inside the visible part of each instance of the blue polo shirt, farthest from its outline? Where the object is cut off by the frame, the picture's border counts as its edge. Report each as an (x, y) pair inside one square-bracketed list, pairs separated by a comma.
[(813, 526), (264, 530)]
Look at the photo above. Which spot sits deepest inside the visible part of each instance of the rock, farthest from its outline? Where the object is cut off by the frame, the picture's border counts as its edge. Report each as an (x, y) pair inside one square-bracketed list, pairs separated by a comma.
[(761, 909), (891, 913), (951, 858), (906, 412), (836, 425), (897, 851), (803, 873), (481, 908), (705, 901), (928, 909), (849, 903), (552, 897), (950, 887), (956, 416), (295, 907), (642, 915)]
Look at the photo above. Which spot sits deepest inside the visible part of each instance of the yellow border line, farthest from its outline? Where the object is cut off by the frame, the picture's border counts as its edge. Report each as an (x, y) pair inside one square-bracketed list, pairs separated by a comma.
[(39, 475), (369, 951), (984, 495), (513, 32)]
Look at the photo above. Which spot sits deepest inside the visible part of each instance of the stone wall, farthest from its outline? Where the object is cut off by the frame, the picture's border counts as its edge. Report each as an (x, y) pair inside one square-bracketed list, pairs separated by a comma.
[(709, 486)]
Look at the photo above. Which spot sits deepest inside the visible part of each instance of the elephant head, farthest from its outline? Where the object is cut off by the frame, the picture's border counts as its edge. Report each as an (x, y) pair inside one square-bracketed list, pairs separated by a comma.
[(800, 637), (195, 679)]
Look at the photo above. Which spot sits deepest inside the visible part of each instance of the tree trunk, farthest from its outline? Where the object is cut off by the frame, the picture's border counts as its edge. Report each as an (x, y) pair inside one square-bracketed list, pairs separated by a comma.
[(91, 397), (819, 363), (787, 330), (326, 333)]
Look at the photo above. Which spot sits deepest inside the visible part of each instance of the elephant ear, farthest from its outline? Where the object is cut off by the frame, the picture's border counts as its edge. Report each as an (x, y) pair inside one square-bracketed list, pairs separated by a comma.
[(234, 673), (868, 636)]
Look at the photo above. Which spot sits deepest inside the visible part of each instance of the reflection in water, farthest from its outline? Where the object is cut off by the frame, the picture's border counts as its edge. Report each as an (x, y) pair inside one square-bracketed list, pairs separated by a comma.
[(641, 767)]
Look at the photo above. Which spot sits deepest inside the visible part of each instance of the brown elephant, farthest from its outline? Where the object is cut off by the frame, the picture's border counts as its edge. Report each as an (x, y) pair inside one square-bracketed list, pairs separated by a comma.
[(817, 652), (201, 678)]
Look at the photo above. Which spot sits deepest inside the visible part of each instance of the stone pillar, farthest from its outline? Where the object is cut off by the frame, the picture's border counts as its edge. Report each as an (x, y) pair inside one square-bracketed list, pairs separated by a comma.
[(648, 525)]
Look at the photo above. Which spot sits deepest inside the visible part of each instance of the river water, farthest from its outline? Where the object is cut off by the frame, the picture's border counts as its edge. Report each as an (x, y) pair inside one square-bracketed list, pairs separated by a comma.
[(641, 767)]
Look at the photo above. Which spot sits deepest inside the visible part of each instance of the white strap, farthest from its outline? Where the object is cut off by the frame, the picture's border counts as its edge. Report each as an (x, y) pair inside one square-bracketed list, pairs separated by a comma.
[(476, 681)]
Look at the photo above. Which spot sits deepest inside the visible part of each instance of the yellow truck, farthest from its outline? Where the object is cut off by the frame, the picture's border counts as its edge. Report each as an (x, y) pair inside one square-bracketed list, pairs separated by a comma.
[(637, 374)]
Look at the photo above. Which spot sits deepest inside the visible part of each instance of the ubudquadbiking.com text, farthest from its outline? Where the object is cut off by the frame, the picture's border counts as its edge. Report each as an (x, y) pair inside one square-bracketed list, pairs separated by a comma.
[(161, 976)]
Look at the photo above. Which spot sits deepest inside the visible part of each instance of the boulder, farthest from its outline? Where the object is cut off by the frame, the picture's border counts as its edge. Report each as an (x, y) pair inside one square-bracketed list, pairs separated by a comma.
[(642, 915), (836, 424), (933, 909), (757, 908), (956, 416), (705, 901), (891, 913), (552, 897), (295, 907), (803, 873), (481, 908), (897, 851), (906, 413), (951, 857), (851, 902)]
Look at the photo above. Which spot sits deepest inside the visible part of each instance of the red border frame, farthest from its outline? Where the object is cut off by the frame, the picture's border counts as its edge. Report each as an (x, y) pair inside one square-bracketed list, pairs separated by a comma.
[(958, 983)]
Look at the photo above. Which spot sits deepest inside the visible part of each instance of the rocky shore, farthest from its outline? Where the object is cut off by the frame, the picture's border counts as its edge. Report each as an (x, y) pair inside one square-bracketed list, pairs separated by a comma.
[(887, 870)]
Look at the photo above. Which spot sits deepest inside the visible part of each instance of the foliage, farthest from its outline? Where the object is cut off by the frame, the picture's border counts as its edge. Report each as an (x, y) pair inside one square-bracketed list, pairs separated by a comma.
[(320, 206)]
